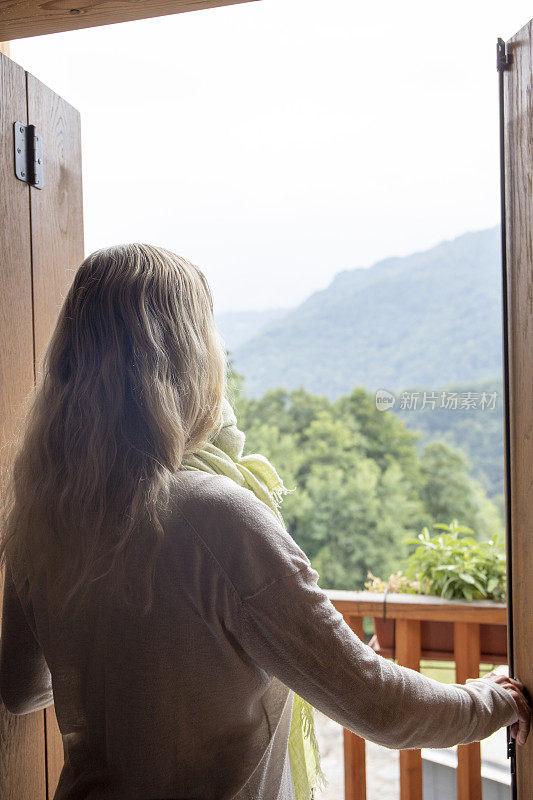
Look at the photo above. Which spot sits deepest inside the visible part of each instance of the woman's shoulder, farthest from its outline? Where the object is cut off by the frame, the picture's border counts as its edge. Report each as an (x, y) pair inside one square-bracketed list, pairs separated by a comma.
[(243, 535), (206, 493), (203, 486), (213, 494)]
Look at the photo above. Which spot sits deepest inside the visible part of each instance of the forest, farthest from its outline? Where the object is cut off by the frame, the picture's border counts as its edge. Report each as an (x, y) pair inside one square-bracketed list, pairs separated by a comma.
[(362, 482)]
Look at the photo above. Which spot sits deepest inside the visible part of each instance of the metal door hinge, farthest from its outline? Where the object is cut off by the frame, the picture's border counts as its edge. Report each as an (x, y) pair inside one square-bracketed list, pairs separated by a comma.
[(504, 58), (511, 753), (28, 154)]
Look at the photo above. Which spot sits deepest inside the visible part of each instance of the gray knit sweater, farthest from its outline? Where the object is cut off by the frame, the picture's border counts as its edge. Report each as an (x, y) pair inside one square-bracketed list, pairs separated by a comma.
[(194, 702)]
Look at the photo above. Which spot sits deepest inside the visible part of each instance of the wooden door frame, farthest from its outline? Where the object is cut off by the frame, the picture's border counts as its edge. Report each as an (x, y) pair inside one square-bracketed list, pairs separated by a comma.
[(18, 20), (26, 18), (516, 90)]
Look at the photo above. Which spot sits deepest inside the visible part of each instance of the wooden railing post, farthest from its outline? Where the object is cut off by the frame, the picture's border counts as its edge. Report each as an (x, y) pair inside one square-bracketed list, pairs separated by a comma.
[(408, 655), (467, 657), (354, 746)]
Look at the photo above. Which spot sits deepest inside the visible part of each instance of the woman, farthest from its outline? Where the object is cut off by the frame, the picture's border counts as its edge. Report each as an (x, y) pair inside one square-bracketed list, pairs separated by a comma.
[(167, 613)]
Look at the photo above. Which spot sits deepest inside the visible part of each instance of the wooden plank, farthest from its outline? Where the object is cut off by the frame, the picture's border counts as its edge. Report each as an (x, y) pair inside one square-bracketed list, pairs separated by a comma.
[(22, 753), (57, 210), (57, 251), (354, 746), (408, 655), (467, 657), (518, 140), (22, 18), (55, 756), (421, 607), (22, 756), (16, 342)]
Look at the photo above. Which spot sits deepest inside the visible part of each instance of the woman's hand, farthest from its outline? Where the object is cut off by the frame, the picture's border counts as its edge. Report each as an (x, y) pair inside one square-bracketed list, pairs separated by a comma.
[(520, 729)]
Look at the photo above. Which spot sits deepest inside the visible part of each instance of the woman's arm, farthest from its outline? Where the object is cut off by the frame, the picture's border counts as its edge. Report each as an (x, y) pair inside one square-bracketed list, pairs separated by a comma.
[(272, 605), (292, 630), (25, 680)]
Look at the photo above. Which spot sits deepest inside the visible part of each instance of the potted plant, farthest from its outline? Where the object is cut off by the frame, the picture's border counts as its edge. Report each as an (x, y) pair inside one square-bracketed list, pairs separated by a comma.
[(451, 564)]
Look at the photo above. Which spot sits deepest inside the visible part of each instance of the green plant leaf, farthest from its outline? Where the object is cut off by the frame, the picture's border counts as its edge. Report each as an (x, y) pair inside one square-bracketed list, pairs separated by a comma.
[(454, 564)]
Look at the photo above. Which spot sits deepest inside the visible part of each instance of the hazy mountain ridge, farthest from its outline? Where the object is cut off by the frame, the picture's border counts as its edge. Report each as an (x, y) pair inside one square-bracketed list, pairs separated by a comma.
[(429, 319), (238, 327)]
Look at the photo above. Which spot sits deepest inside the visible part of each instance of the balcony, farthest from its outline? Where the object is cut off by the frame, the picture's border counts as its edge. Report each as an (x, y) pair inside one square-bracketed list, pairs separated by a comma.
[(465, 627)]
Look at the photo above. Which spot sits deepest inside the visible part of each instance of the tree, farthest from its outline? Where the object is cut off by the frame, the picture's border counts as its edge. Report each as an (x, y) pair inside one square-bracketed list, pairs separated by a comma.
[(449, 491), (360, 486)]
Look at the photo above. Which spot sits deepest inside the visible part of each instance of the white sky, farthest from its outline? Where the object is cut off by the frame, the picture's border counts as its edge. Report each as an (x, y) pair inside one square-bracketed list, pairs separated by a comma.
[(276, 143)]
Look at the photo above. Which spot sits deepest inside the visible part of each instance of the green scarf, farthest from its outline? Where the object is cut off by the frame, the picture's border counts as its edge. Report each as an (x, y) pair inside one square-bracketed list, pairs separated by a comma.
[(223, 456)]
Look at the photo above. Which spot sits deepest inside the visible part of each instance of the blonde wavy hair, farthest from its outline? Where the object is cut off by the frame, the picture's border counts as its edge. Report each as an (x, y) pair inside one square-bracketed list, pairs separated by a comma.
[(132, 379)]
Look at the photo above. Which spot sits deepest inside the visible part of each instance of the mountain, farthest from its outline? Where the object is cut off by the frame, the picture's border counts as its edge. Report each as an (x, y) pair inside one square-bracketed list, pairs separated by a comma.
[(237, 327), (429, 319)]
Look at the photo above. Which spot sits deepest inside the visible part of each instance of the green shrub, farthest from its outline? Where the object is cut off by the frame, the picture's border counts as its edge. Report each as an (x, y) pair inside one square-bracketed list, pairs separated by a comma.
[(450, 565)]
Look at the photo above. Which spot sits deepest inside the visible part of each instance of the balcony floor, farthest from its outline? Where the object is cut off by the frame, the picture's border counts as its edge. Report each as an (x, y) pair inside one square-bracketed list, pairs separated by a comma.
[(382, 765)]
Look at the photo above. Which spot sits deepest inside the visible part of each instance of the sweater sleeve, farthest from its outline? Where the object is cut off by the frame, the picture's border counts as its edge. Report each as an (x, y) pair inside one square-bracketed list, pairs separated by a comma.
[(25, 680), (292, 630)]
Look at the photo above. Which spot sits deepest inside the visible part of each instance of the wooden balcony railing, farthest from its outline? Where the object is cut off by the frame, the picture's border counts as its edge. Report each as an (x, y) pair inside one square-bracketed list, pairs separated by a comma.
[(465, 626)]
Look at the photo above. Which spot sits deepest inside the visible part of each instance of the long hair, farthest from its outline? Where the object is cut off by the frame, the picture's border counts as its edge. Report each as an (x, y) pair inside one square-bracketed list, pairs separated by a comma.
[(133, 378)]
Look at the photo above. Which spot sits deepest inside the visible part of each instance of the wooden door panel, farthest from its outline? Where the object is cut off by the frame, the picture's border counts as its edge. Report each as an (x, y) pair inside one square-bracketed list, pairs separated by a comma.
[(54, 751), (57, 251), (518, 145), (22, 746), (41, 245), (56, 210)]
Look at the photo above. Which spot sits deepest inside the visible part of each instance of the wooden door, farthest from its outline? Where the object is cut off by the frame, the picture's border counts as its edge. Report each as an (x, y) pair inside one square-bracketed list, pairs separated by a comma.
[(517, 139), (41, 245)]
